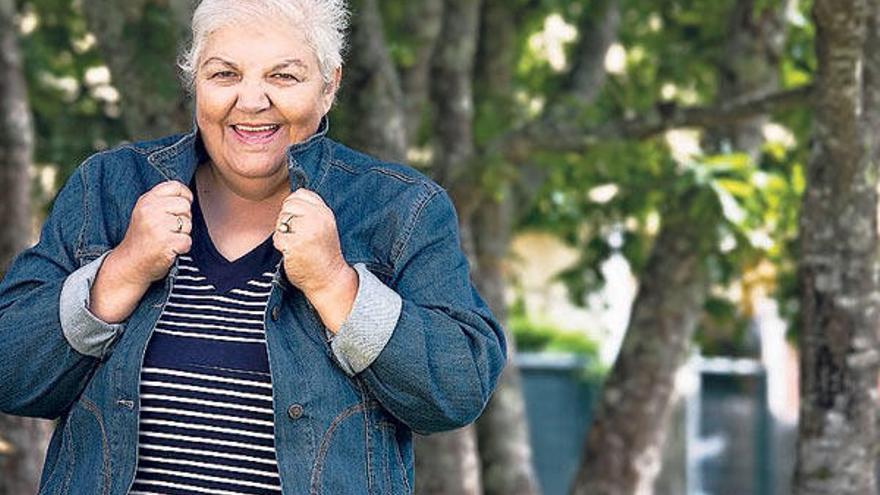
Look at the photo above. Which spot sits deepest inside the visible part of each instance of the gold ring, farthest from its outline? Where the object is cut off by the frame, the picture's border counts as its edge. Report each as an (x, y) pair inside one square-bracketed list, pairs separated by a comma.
[(179, 224), (284, 228)]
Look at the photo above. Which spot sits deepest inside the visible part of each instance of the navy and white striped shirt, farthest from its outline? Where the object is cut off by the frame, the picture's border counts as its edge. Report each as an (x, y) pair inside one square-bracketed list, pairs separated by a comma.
[(206, 392)]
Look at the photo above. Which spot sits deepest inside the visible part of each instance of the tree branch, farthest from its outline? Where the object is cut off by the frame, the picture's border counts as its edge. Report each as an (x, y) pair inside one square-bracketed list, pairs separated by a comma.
[(561, 135), (597, 31), (139, 47)]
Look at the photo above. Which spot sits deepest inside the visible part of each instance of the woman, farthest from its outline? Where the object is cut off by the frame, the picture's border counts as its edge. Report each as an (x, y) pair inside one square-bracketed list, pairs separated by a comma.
[(251, 307)]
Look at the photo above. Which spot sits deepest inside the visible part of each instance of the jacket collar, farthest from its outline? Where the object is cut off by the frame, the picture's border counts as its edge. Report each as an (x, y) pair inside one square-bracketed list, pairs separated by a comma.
[(306, 160)]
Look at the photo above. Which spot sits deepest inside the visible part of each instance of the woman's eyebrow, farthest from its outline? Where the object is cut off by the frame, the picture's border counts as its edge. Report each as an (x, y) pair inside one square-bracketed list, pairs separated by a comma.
[(288, 62), (227, 63)]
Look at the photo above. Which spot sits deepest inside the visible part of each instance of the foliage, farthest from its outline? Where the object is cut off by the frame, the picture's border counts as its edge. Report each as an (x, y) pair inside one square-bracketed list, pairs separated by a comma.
[(533, 335), (606, 200), (72, 117), (610, 199)]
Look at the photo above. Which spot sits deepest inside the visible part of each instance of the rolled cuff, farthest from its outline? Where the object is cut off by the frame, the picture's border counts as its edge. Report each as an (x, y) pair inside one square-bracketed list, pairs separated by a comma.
[(369, 325), (84, 331)]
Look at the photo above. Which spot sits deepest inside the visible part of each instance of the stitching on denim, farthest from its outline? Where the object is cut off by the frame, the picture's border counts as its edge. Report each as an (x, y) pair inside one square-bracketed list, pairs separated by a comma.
[(66, 486), (165, 153), (318, 467), (378, 169), (395, 174), (106, 473), (391, 428), (323, 166), (344, 166), (389, 487), (404, 238), (367, 438), (80, 238)]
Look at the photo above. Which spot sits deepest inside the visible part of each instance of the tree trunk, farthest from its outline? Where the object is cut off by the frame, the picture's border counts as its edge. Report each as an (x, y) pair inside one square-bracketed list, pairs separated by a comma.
[(622, 453), (423, 21), (372, 118), (23, 441), (502, 430), (452, 99), (138, 40), (503, 433), (836, 450)]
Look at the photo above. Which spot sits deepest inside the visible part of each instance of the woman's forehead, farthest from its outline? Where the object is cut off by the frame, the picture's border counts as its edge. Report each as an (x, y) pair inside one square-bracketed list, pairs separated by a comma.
[(266, 45)]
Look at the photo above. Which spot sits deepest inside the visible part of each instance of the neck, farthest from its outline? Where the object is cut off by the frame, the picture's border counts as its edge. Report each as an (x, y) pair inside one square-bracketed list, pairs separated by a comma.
[(243, 200)]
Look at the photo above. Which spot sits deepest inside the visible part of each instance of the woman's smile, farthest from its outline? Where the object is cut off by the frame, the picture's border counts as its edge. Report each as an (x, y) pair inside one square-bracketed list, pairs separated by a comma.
[(255, 134)]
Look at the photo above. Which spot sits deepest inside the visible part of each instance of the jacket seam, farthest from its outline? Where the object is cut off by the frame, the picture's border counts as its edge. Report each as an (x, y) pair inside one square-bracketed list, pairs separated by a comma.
[(106, 473), (406, 235), (391, 430), (80, 238), (324, 447), (379, 169)]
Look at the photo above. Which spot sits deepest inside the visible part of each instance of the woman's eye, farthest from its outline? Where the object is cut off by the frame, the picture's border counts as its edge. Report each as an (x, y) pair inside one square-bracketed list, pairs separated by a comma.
[(283, 76), (223, 74)]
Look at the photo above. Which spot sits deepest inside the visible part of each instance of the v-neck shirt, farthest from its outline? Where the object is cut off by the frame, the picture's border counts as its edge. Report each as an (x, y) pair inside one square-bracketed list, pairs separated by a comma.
[(206, 415), (222, 273)]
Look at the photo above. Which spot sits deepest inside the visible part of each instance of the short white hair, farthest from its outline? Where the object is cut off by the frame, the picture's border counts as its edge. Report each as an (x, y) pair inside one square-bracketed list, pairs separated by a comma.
[(322, 22)]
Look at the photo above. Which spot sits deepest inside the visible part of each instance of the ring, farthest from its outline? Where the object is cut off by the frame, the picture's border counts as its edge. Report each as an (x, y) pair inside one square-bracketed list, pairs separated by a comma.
[(284, 228), (179, 224)]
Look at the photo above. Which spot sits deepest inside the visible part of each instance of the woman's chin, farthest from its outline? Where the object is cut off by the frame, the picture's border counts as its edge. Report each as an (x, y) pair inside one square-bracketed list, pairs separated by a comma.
[(256, 168)]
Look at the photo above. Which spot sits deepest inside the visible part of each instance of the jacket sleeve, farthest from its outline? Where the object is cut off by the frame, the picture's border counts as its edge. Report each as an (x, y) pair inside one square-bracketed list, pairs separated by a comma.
[(436, 364), (49, 342)]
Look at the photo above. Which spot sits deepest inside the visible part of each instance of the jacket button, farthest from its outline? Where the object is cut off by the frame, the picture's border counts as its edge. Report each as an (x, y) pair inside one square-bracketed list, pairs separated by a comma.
[(295, 411), (275, 312)]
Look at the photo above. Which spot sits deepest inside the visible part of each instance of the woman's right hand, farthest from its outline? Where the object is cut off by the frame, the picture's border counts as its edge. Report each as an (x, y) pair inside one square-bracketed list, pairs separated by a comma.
[(152, 240), (159, 230)]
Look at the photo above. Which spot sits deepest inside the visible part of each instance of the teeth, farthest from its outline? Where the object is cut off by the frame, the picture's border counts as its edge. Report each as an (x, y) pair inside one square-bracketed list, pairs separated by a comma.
[(255, 128)]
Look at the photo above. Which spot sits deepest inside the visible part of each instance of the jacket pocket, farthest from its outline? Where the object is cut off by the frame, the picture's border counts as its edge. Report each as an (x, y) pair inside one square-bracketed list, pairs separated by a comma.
[(83, 464), (342, 464), (56, 470)]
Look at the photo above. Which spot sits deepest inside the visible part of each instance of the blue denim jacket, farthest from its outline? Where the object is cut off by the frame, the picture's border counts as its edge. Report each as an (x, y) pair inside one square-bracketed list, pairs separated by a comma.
[(345, 407)]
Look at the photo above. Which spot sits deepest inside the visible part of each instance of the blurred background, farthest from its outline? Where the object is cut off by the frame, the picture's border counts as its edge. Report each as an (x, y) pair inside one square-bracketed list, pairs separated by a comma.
[(629, 177)]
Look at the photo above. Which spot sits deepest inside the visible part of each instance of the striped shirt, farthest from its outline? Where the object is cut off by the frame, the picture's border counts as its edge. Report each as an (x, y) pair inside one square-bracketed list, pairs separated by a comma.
[(206, 394)]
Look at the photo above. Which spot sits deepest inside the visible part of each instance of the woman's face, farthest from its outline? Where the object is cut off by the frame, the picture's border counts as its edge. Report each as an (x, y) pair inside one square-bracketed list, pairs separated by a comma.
[(258, 90)]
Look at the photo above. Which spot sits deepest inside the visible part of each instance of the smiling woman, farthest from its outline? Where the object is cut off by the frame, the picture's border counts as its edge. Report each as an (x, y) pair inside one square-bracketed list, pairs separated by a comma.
[(250, 307)]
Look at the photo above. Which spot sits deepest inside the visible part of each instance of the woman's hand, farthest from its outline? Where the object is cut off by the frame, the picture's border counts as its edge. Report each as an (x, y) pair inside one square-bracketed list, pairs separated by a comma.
[(159, 230), (307, 237)]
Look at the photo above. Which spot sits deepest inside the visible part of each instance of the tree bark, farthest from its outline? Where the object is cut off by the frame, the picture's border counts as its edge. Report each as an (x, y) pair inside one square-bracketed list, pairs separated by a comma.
[(138, 40), (753, 45), (503, 433), (373, 120), (836, 451), (502, 430), (451, 95), (23, 441), (622, 453), (423, 20)]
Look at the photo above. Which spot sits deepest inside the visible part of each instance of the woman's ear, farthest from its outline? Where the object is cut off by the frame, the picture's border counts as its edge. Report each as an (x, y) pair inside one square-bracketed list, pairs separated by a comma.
[(331, 88)]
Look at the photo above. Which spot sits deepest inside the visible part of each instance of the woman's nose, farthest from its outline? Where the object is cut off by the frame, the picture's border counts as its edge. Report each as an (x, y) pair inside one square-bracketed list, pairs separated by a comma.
[(252, 97)]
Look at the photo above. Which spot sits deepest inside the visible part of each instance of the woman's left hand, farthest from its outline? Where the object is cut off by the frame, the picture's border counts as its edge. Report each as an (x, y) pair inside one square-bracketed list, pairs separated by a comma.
[(306, 235)]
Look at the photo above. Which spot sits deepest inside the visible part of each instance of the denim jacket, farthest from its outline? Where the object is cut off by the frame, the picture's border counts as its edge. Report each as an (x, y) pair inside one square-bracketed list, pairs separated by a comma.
[(419, 352)]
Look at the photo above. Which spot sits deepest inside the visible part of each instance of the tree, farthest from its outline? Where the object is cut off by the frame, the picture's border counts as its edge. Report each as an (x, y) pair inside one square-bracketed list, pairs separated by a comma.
[(837, 441), (22, 440), (457, 89)]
